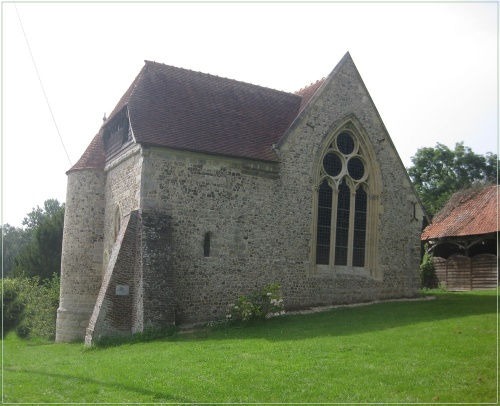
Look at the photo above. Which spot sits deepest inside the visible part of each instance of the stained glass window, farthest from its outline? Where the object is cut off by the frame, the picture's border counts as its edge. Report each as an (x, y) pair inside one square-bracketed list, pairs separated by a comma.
[(344, 163), (356, 168), (345, 143), (332, 164), (359, 243), (324, 224), (342, 231)]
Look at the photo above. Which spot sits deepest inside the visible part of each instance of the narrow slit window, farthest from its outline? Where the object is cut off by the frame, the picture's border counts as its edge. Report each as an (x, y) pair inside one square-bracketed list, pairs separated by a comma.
[(206, 245)]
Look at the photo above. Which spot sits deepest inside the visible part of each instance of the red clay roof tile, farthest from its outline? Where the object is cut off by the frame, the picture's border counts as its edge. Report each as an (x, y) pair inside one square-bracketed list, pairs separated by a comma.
[(308, 92), (182, 109), (468, 212), (93, 157)]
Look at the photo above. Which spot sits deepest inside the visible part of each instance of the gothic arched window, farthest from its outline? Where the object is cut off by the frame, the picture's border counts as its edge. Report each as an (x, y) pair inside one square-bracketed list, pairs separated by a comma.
[(342, 203)]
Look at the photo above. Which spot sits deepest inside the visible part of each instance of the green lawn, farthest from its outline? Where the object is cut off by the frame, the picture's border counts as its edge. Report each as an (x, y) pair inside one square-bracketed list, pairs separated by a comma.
[(439, 351)]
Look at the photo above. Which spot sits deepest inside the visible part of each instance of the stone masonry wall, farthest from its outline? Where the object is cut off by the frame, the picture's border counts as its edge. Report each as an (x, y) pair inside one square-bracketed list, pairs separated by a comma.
[(345, 100), (233, 201), (158, 302), (82, 250), (122, 193)]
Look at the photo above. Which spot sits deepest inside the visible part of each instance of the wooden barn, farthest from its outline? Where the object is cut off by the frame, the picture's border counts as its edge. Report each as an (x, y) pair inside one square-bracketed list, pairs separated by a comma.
[(463, 238)]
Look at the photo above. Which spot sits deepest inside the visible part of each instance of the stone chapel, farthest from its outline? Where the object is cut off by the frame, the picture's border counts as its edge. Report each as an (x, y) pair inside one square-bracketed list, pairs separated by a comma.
[(198, 189)]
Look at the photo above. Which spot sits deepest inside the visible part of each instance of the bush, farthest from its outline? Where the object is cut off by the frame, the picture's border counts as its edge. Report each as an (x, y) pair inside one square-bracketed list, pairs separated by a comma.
[(30, 306), (12, 307), (428, 278), (266, 303)]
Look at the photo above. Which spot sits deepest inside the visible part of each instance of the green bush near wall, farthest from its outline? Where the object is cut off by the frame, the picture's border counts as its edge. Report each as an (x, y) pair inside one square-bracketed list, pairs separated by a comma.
[(30, 306), (428, 278)]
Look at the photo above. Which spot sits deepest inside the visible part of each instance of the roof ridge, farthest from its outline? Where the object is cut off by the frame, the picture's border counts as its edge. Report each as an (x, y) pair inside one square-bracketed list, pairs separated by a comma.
[(309, 85), (270, 89)]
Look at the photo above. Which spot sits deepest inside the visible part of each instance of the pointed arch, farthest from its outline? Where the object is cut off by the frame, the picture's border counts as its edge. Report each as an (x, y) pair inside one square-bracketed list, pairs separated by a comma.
[(346, 162)]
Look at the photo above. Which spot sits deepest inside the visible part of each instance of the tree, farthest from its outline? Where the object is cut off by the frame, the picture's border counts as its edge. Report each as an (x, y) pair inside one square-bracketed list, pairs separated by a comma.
[(439, 172), (41, 255), (13, 239)]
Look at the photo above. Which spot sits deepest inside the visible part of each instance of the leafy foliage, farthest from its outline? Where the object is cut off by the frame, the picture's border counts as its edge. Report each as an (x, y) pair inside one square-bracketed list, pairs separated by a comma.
[(14, 239), (266, 303), (439, 172), (30, 306), (428, 278), (41, 254), (12, 305)]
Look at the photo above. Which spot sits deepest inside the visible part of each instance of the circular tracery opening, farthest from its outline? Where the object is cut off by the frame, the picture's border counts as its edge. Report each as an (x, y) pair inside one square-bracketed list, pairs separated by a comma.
[(332, 164), (356, 168), (345, 143)]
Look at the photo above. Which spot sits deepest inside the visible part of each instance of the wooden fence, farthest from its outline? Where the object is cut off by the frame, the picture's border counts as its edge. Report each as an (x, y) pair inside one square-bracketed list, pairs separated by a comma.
[(463, 273)]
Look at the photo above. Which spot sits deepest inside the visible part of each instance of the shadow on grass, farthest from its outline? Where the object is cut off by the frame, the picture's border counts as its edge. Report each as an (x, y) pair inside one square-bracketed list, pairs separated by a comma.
[(343, 321), (78, 380)]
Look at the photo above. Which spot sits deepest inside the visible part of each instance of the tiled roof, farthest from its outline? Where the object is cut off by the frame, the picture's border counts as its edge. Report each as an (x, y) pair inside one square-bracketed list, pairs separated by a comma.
[(182, 109), (93, 157), (468, 212), (308, 92)]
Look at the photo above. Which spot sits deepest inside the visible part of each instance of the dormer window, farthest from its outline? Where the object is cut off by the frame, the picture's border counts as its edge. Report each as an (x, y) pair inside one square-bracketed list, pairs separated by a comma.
[(116, 133)]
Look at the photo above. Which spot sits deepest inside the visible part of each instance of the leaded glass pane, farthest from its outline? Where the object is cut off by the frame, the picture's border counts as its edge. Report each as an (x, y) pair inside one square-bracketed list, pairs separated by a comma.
[(342, 230), (359, 243), (323, 234), (332, 164), (355, 168), (345, 143)]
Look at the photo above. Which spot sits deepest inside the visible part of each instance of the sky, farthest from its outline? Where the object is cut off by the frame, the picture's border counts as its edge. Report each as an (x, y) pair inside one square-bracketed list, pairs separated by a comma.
[(430, 68)]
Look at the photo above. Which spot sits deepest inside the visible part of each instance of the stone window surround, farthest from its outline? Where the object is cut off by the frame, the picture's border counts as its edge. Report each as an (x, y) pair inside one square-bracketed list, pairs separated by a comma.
[(371, 182)]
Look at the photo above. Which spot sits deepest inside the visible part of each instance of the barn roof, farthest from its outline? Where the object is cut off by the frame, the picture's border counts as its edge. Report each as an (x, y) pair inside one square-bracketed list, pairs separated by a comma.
[(468, 212), (192, 111)]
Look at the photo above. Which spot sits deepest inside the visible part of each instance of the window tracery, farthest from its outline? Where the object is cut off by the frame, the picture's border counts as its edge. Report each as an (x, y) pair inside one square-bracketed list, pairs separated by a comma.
[(342, 203)]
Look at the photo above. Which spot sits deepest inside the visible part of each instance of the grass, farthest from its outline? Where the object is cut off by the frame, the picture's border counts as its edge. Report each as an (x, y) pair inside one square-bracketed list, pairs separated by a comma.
[(435, 351)]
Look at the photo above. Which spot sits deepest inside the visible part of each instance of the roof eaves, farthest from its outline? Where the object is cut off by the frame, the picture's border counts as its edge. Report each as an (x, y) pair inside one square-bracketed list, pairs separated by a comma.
[(199, 151)]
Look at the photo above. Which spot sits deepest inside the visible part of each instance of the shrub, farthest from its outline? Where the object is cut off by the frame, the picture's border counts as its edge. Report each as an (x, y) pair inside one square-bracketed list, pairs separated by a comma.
[(428, 278), (266, 303), (11, 305), (31, 306)]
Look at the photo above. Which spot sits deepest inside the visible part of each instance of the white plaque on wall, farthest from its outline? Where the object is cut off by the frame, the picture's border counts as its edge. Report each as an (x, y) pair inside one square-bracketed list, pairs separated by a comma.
[(122, 290)]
